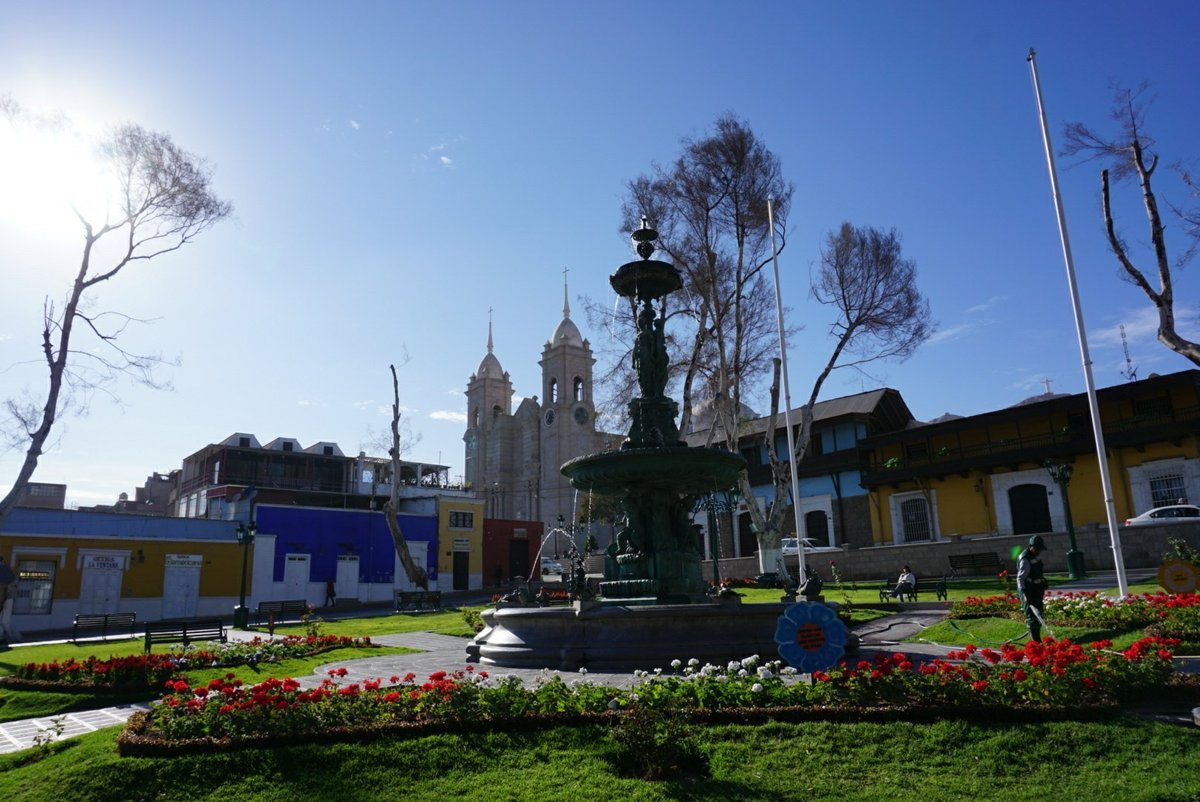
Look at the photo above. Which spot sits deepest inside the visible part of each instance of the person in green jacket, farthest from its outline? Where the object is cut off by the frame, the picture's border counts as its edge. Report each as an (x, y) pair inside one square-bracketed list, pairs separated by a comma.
[(1031, 585)]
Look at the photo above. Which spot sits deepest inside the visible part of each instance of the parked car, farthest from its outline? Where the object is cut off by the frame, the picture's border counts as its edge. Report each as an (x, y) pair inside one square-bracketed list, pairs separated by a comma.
[(551, 566), (810, 546), (1173, 514)]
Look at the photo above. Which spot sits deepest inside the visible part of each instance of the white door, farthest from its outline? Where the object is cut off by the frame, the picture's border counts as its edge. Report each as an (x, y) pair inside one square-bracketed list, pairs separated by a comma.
[(100, 591), (346, 585), (418, 551), (181, 585), (295, 577)]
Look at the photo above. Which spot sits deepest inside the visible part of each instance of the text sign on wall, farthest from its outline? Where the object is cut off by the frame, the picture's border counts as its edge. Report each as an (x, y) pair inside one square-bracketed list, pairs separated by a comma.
[(103, 562), (462, 544), (185, 560)]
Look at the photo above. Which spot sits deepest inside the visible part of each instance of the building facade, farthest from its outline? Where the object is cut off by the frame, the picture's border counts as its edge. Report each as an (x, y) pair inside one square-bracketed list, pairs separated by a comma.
[(986, 474), (68, 563), (512, 457)]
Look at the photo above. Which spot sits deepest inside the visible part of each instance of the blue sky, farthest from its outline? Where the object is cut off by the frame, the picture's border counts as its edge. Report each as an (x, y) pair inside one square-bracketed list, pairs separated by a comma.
[(397, 169)]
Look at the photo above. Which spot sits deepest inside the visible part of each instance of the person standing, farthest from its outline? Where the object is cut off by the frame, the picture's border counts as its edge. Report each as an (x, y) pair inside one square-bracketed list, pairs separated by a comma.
[(330, 595), (1031, 585)]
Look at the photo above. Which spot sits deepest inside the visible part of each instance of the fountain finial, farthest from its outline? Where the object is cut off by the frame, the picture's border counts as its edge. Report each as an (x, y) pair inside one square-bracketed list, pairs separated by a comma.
[(644, 237)]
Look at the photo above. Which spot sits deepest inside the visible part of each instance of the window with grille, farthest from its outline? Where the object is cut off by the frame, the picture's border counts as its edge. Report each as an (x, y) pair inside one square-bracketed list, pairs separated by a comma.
[(1167, 489), (35, 587), (461, 520), (914, 517)]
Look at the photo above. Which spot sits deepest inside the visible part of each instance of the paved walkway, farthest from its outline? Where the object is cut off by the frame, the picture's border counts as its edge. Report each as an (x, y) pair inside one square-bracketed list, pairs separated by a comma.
[(447, 653)]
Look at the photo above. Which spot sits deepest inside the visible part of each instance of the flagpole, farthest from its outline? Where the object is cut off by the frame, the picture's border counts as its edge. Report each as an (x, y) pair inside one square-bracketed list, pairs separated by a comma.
[(787, 400), (1093, 404)]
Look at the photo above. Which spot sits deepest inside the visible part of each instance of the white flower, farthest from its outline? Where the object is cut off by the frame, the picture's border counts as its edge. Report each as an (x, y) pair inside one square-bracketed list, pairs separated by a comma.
[(734, 665), (743, 673), (693, 662), (750, 662), (583, 670), (722, 678), (676, 664), (633, 697), (764, 672), (658, 672), (756, 688)]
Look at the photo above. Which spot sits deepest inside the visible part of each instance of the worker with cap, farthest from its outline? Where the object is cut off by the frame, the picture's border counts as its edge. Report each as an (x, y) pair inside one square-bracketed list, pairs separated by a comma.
[(1031, 585)]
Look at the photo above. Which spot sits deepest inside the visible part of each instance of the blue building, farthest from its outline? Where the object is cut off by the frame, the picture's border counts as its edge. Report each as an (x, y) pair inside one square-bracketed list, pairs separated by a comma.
[(297, 550)]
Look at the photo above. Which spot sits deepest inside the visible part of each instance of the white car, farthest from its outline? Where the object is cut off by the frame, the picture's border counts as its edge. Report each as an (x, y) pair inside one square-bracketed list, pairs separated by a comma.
[(1174, 514), (810, 546), (550, 566)]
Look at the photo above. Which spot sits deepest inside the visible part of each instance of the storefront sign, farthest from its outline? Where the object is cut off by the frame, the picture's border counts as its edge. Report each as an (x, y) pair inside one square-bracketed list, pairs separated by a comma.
[(462, 544), (103, 562), (186, 560)]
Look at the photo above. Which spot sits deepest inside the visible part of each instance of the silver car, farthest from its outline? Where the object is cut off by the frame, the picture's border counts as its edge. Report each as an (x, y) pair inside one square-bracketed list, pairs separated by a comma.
[(1174, 514)]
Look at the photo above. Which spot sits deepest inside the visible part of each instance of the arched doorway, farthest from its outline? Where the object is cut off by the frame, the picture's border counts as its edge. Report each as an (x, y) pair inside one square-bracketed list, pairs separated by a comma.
[(1030, 509)]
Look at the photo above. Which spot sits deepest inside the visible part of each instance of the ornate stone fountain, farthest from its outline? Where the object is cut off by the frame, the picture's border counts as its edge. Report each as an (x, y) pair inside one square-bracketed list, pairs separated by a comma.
[(652, 607)]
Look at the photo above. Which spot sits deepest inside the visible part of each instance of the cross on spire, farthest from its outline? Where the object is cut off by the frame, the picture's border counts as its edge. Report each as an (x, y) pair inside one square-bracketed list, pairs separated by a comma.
[(489, 329), (1047, 382)]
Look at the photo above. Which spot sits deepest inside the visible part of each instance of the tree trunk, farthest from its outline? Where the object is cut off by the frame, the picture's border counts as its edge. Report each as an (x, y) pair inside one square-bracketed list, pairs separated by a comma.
[(416, 573)]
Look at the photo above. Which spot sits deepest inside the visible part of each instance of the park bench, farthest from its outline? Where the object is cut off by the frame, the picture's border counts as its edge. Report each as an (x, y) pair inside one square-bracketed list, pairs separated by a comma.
[(983, 563), (274, 611), (417, 600), (103, 624), (184, 632), (932, 584)]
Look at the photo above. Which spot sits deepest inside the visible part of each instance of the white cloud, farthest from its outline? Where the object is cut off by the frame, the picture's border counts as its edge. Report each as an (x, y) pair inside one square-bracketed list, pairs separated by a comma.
[(363, 405), (447, 415), (986, 305), (446, 160), (952, 333), (354, 124)]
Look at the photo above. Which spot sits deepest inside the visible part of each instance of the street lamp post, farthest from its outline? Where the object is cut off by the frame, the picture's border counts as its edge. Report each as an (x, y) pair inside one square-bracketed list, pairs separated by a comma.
[(1060, 472), (245, 536)]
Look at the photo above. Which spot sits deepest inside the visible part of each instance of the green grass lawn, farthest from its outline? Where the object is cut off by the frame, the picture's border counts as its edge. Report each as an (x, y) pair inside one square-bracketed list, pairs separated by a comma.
[(445, 622), (1125, 760)]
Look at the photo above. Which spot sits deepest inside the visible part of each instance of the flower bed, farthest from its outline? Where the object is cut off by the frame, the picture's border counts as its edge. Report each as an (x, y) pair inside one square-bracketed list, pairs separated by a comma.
[(150, 671), (1056, 676), (1172, 614)]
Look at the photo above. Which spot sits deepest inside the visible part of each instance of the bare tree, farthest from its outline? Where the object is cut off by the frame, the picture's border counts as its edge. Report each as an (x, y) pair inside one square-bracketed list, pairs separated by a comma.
[(880, 315), (710, 209), (416, 573), (1131, 154), (164, 200)]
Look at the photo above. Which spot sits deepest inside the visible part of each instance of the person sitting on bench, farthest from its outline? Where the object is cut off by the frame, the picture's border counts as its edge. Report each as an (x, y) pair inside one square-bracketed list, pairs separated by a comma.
[(906, 584)]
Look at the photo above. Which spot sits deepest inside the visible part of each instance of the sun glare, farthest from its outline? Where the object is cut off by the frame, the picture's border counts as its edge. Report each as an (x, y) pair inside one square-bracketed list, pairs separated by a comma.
[(45, 173)]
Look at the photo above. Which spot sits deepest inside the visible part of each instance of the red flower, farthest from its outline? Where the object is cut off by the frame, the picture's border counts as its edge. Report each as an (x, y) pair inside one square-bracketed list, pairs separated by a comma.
[(979, 685)]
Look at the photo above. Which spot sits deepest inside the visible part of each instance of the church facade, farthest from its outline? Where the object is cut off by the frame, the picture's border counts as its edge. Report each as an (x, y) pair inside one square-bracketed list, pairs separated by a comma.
[(513, 456)]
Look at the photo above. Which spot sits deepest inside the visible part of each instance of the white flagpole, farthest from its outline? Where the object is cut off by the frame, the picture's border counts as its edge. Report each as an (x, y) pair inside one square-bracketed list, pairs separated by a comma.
[(787, 399), (1101, 452)]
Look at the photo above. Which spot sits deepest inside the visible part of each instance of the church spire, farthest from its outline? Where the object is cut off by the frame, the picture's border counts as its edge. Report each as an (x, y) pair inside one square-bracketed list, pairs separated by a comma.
[(566, 305), (489, 329)]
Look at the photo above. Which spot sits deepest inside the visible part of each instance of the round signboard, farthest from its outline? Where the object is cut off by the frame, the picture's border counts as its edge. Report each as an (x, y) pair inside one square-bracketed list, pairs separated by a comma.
[(1178, 576)]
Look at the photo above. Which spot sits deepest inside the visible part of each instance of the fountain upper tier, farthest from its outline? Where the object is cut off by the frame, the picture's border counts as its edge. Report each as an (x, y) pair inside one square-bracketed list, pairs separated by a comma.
[(689, 471)]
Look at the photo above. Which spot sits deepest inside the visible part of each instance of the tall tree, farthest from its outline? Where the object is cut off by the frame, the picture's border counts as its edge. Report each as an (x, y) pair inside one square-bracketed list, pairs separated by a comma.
[(164, 199), (1130, 153), (710, 209), (879, 314)]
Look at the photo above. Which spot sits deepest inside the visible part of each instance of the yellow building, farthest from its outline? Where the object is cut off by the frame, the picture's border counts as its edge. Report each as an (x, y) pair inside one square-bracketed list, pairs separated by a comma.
[(987, 474), (68, 562), (460, 539)]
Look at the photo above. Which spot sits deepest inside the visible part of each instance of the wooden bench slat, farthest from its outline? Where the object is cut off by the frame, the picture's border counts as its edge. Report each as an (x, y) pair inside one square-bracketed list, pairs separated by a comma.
[(184, 631), (418, 600), (982, 563), (104, 622)]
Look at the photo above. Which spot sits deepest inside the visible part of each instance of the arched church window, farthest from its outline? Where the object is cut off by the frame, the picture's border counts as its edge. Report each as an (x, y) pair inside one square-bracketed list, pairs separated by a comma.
[(553, 391), (475, 418), (495, 412), (578, 389)]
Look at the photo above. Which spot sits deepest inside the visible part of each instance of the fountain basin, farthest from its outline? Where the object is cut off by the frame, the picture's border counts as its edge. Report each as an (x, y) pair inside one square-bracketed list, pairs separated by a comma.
[(687, 471), (607, 637)]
